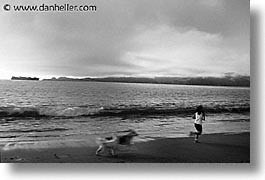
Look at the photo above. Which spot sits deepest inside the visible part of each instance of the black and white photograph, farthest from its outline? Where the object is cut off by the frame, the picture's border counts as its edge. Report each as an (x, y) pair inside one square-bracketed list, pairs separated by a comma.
[(125, 81)]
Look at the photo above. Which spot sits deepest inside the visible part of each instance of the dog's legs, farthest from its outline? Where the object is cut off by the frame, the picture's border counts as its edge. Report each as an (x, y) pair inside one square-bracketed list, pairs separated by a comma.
[(98, 150)]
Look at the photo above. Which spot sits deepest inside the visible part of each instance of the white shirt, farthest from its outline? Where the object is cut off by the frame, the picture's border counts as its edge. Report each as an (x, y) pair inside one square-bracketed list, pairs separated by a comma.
[(198, 118)]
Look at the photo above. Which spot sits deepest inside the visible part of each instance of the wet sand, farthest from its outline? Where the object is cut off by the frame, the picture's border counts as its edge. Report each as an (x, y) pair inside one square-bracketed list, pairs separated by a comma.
[(213, 148)]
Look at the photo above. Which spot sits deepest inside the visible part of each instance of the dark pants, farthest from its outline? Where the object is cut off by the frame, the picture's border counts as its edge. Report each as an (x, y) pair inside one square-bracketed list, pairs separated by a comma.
[(198, 127)]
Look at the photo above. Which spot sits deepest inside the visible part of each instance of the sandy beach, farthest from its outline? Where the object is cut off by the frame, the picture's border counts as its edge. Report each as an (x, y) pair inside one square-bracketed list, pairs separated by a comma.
[(213, 148)]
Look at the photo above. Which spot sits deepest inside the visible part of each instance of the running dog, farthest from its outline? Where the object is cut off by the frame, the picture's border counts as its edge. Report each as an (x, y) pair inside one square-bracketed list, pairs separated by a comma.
[(112, 144)]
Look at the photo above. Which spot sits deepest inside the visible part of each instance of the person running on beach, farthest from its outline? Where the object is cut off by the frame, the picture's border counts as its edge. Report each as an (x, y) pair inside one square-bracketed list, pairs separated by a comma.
[(198, 117)]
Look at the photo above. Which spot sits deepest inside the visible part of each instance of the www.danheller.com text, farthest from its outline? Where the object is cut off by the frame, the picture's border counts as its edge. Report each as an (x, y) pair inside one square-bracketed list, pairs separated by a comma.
[(53, 7)]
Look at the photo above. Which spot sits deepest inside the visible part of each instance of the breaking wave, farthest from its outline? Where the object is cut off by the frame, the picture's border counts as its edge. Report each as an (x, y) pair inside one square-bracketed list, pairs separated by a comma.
[(61, 112), (35, 130)]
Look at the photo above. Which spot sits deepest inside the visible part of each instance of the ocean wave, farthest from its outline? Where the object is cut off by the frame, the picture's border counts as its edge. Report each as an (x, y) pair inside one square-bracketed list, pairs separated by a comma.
[(68, 112), (20, 112), (168, 111), (34, 130)]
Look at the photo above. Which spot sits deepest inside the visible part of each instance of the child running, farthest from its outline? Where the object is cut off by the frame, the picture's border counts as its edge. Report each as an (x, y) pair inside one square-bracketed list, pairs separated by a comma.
[(198, 117)]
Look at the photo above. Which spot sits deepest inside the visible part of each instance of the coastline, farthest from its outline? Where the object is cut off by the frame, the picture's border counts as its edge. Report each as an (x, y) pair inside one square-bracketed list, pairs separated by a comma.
[(213, 148)]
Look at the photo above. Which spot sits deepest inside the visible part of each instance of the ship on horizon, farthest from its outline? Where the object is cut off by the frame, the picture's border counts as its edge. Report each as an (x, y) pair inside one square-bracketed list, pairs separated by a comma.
[(25, 78)]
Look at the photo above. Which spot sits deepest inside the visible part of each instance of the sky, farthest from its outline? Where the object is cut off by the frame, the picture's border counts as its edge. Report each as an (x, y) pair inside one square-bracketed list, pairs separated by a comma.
[(143, 38)]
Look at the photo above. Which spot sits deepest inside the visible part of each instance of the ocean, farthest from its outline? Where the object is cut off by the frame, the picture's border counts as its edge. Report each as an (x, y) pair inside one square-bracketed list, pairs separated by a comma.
[(46, 111)]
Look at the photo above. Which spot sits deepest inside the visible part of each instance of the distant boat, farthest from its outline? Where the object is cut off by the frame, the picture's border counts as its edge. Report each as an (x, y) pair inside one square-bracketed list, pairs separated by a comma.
[(24, 78)]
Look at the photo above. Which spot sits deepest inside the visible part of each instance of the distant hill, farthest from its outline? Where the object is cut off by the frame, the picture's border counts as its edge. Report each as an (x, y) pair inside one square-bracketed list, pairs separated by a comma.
[(242, 81)]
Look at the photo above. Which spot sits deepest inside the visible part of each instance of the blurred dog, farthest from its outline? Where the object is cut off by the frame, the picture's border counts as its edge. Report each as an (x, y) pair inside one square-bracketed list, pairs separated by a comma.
[(111, 144)]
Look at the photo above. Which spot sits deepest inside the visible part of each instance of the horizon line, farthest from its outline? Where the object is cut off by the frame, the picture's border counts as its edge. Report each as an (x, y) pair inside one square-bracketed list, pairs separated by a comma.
[(135, 76)]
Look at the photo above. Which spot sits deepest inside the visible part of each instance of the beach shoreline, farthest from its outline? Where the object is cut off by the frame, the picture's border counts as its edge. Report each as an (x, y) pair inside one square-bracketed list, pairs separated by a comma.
[(213, 148)]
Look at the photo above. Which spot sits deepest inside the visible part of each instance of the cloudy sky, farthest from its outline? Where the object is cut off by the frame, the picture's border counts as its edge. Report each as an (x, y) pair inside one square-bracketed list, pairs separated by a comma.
[(127, 38)]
